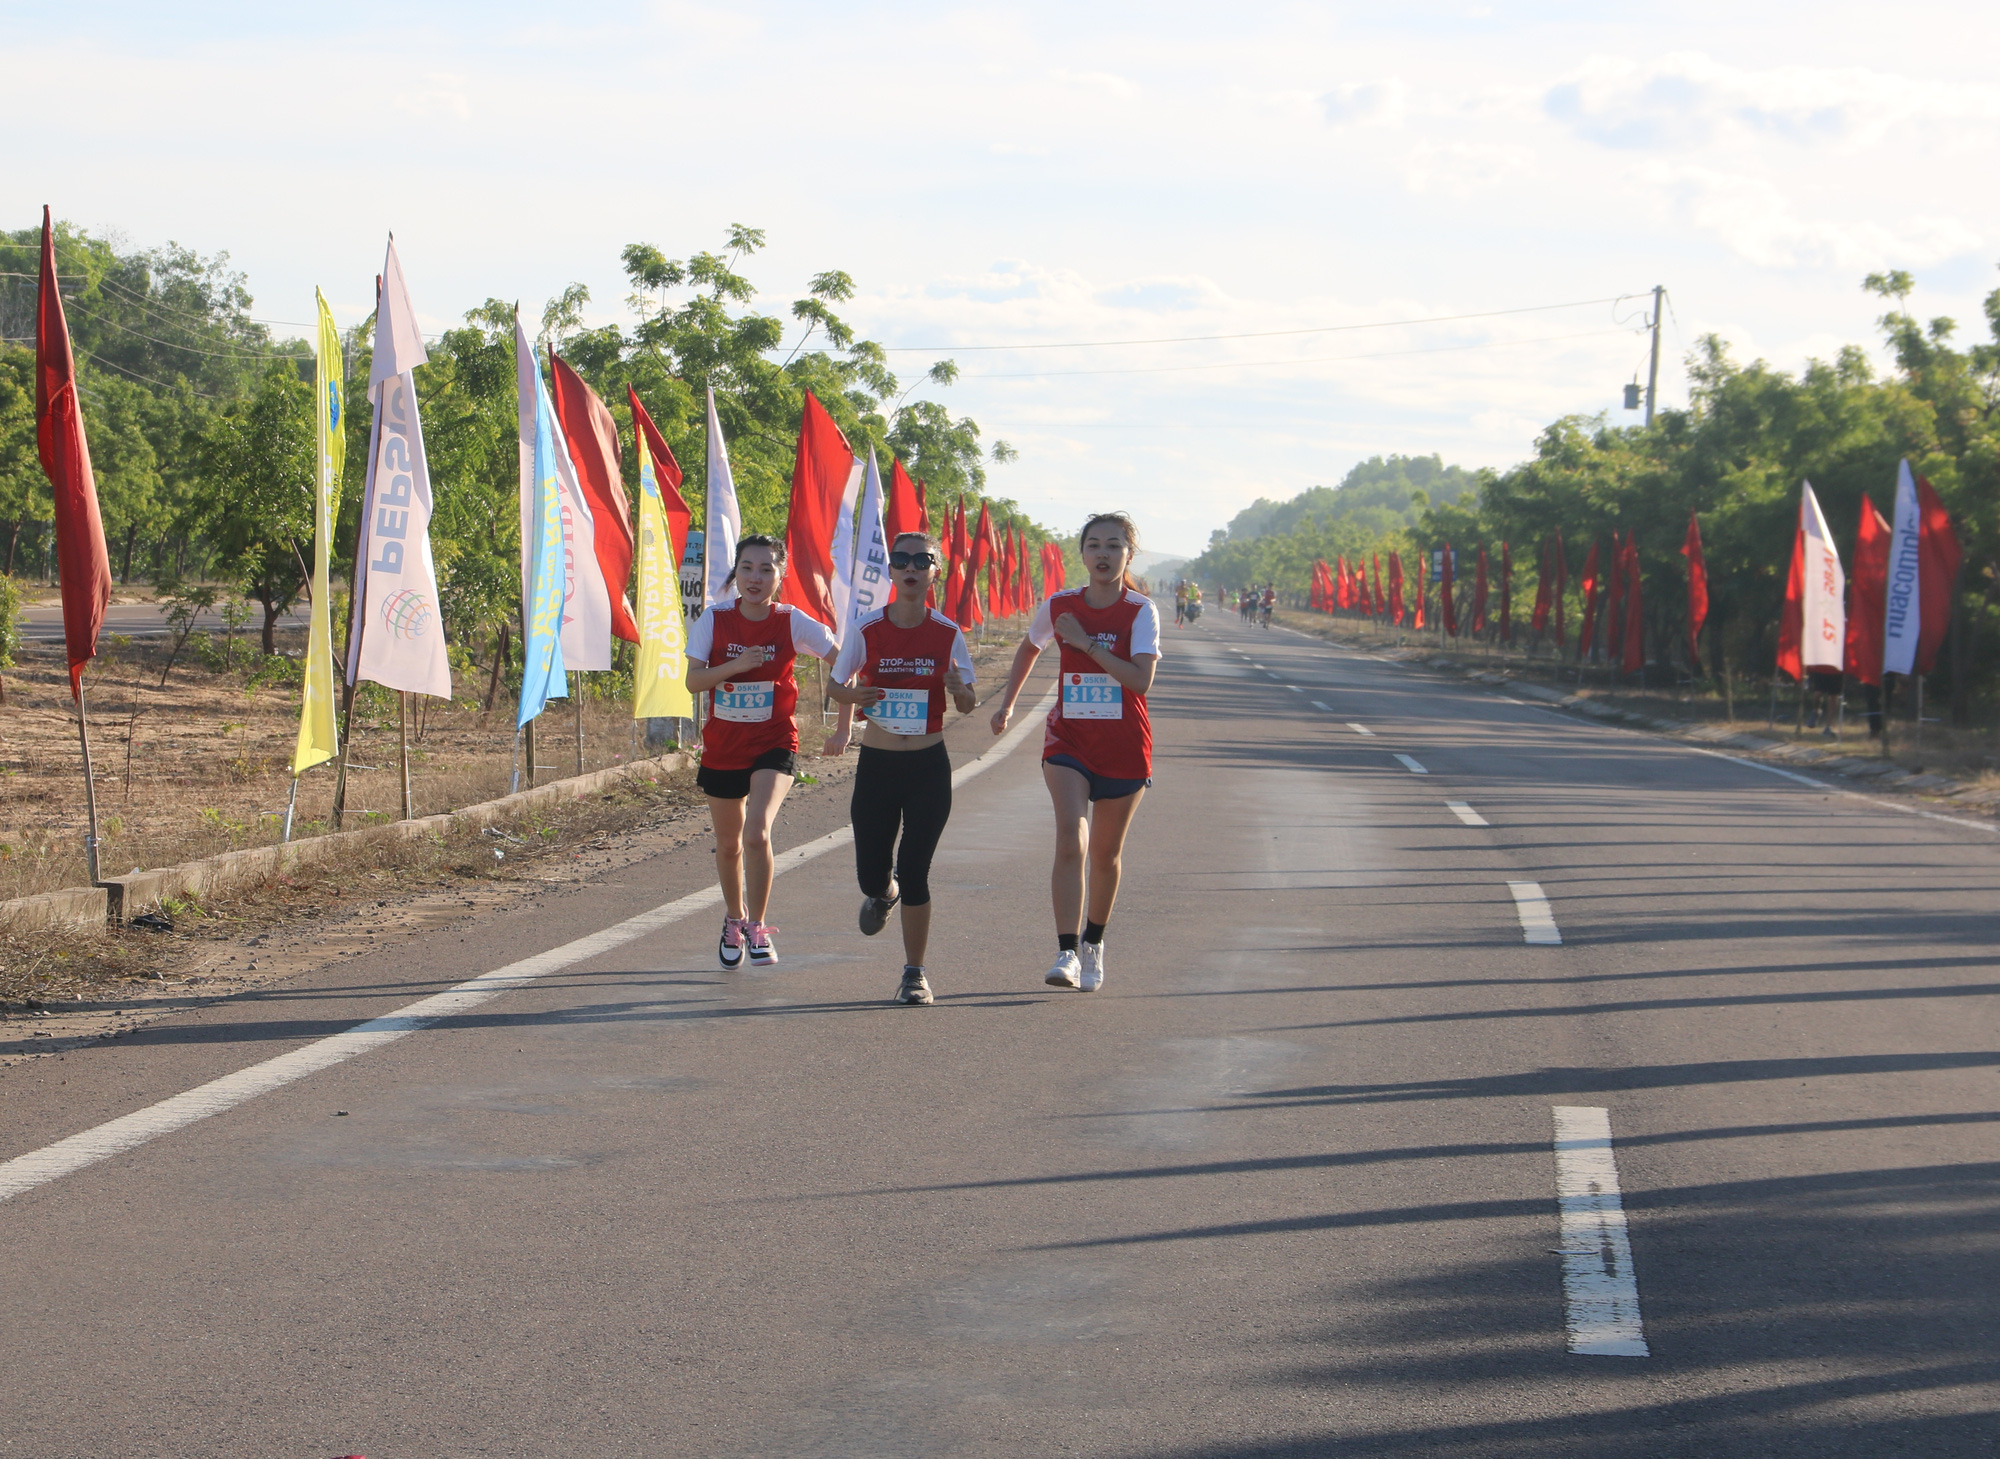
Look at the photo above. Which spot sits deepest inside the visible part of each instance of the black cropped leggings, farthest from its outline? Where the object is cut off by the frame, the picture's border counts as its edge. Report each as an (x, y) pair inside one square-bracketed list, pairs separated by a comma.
[(910, 789)]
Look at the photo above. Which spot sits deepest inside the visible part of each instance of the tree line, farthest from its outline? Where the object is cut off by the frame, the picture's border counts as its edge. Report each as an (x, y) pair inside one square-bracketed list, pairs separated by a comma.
[(1735, 458), (201, 426)]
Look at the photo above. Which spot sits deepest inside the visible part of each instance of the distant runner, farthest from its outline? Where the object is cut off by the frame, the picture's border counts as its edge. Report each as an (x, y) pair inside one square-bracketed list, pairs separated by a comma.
[(1097, 753), (750, 744), (1180, 602), (898, 666)]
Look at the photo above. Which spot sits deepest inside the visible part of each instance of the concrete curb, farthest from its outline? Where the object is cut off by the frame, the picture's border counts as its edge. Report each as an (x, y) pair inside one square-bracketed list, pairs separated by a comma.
[(121, 898)]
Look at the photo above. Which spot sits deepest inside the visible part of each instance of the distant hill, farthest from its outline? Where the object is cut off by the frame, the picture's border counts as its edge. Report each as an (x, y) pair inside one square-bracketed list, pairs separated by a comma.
[(1377, 495)]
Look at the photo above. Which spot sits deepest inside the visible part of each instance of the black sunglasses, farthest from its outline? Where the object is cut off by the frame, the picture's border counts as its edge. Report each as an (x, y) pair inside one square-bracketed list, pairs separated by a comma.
[(913, 559)]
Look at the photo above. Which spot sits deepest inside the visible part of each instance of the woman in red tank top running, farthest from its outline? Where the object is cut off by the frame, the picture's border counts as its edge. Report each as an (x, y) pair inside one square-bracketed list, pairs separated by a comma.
[(740, 656), (1097, 756)]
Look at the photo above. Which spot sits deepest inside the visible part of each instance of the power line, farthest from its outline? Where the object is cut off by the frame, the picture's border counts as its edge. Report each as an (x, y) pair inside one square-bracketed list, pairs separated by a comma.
[(1093, 344), (190, 349), (1491, 344)]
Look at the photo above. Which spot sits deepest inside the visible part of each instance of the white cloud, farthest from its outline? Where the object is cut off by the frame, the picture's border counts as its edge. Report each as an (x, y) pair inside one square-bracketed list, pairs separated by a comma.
[(1367, 103)]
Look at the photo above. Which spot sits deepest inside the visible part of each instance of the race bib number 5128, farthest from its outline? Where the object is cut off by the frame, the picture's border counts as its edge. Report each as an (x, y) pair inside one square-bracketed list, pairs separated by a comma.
[(1092, 696)]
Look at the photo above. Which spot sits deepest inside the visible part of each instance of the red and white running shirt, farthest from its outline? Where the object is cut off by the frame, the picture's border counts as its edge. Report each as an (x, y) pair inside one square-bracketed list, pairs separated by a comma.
[(752, 715), (909, 663), (1096, 719)]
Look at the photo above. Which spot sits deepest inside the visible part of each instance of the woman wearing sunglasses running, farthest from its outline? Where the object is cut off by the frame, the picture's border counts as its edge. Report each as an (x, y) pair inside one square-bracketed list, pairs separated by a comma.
[(1097, 757), (740, 653), (898, 666)]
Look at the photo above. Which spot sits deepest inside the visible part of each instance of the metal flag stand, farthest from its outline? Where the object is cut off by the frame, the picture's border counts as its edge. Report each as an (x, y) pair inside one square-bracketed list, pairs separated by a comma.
[(89, 785)]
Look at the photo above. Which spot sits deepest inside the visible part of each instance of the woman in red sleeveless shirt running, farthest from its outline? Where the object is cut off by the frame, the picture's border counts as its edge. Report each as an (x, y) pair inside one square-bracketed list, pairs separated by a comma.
[(898, 666), (1097, 755), (740, 654)]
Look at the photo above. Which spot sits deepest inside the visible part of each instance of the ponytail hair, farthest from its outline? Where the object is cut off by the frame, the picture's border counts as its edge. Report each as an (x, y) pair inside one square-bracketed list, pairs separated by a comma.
[(1131, 531), (757, 539)]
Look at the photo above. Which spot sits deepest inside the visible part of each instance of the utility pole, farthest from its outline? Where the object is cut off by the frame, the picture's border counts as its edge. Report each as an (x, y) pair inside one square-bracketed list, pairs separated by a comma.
[(1653, 373)]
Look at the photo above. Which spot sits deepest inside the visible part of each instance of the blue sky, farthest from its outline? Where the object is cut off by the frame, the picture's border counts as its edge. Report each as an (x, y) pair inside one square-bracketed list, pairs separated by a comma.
[(1048, 175)]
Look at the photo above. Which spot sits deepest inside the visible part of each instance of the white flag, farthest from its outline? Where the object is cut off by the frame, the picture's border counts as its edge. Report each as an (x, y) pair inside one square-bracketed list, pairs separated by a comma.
[(1903, 607), (724, 523), (869, 587), (396, 637), (586, 624), (843, 548), (1823, 626)]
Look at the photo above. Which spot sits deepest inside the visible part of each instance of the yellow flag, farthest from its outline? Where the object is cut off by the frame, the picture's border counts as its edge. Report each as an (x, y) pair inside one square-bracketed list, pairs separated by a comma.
[(319, 734), (659, 683)]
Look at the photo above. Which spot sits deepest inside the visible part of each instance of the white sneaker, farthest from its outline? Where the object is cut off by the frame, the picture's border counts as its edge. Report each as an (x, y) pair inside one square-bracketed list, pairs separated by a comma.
[(1093, 966), (1063, 971)]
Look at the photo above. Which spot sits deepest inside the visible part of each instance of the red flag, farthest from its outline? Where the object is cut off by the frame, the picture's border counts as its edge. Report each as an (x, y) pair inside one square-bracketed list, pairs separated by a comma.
[(900, 512), (667, 476), (592, 437), (1343, 585), (979, 545), (81, 557), (1614, 597), (1396, 589), (923, 506), (1445, 585), (1540, 622), (1379, 604), (1506, 594), (819, 480), (954, 576), (1698, 589), (1938, 559), (1634, 619), (1792, 618), (1869, 583), (1586, 639), (1417, 609), (1479, 594), (1561, 566)]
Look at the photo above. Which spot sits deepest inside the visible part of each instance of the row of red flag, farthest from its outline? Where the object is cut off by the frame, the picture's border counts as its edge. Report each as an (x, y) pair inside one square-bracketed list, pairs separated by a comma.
[(820, 501)]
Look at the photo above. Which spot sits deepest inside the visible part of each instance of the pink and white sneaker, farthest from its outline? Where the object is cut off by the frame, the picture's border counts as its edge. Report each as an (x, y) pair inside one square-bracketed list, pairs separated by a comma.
[(758, 935), (729, 951)]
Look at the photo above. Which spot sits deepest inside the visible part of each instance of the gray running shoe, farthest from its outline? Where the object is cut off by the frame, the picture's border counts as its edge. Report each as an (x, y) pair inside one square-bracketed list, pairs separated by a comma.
[(914, 990), (875, 914)]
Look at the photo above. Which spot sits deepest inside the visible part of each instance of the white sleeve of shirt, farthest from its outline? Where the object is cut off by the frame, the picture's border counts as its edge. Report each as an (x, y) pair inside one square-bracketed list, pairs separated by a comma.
[(1043, 628), (701, 638), (811, 636), (1146, 630), (961, 655), (853, 654)]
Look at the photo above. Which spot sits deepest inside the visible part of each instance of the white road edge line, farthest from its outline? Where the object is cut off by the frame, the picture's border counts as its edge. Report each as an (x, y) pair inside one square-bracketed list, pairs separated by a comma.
[(1600, 1291), (128, 1132), (1538, 919), (1361, 729), (1327, 707), (1410, 765), (1466, 813), (1908, 810)]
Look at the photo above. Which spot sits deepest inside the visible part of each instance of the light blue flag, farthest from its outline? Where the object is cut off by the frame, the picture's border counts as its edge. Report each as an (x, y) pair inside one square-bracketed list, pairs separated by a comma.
[(542, 568)]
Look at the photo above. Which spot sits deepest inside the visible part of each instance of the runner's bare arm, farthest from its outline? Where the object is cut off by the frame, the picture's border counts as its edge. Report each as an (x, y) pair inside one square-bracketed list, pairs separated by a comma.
[(700, 678), (1024, 664)]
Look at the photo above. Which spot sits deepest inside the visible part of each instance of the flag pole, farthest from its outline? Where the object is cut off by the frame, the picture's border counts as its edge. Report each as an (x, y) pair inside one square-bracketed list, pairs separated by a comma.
[(576, 699), (89, 785), (291, 805), (346, 739), (529, 736), (403, 744)]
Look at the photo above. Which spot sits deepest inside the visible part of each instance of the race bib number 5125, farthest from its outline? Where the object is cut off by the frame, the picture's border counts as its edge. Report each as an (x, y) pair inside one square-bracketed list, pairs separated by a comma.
[(1092, 696)]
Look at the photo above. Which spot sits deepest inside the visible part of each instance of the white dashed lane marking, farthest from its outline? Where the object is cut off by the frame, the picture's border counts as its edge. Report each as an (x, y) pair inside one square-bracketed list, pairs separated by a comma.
[(1411, 765), (1538, 920), (1600, 1289), (1327, 707), (1361, 729), (1466, 813)]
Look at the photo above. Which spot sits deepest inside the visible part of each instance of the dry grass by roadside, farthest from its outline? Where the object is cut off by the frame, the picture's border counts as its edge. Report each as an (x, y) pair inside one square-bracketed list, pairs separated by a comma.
[(1969, 755)]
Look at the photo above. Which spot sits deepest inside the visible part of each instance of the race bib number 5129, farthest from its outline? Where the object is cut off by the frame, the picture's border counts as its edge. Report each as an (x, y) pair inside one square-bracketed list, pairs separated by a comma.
[(1092, 696)]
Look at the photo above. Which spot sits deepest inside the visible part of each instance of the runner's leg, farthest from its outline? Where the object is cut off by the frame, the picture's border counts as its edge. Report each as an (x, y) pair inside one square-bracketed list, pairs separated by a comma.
[(1070, 793), (760, 813), (726, 816), (1109, 821), (877, 814), (926, 806)]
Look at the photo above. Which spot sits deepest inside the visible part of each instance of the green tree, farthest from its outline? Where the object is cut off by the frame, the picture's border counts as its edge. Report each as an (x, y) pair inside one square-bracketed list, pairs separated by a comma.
[(259, 511)]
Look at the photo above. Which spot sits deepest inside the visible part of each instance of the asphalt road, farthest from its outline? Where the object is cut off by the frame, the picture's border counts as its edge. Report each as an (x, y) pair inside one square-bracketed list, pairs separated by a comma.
[(1286, 1187), (143, 620)]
